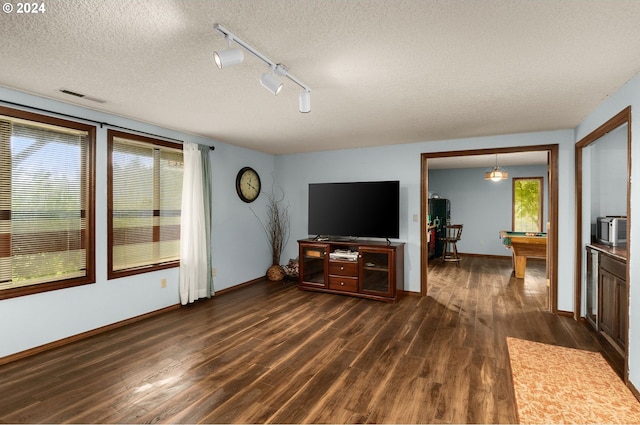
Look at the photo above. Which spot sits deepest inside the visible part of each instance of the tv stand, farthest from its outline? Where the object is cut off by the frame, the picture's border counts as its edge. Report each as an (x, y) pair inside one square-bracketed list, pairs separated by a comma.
[(375, 272)]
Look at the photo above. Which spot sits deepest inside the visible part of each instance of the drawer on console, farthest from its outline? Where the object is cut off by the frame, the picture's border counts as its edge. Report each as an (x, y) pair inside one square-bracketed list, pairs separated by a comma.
[(340, 283), (343, 268)]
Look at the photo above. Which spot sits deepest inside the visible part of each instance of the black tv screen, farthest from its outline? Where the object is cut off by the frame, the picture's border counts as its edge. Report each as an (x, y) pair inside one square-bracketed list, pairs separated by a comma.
[(356, 209)]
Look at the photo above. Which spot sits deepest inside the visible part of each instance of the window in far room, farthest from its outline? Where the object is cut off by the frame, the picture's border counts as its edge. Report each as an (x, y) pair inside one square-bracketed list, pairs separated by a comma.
[(144, 204), (527, 204)]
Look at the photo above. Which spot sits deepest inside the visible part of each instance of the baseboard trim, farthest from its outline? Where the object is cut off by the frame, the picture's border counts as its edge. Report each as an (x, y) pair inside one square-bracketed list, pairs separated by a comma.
[(78, 337), (240, 286), (73, 338)]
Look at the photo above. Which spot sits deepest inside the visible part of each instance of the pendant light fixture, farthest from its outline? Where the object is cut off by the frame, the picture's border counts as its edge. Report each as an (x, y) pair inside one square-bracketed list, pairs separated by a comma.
[(496, 174), (269, 80)]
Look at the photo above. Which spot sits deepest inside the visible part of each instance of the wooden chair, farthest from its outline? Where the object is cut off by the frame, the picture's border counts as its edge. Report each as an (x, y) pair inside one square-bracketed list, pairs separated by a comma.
[(453, 233)]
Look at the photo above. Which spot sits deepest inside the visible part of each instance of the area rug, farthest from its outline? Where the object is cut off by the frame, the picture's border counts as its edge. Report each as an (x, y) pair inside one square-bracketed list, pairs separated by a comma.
[(558, 385)]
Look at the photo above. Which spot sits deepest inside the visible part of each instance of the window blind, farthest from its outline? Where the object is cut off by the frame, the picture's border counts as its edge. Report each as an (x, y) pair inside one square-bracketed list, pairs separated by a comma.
[(44, 200), (146, 197)]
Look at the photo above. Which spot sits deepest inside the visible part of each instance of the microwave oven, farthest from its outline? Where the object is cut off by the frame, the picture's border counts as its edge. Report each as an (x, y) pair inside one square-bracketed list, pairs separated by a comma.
[(611, 230)]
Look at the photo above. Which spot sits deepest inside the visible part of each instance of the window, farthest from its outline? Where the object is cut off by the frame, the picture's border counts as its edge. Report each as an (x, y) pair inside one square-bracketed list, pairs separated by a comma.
[(46, 203), (527, 204), (144, 202)]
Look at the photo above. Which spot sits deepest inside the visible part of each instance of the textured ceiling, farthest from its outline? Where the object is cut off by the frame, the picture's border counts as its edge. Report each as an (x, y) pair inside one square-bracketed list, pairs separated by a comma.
[(381, 72)]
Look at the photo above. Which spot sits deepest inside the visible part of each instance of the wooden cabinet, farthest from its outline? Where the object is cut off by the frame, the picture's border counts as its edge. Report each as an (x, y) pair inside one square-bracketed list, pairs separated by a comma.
[(613, 302), (608, 295), (375, 272)]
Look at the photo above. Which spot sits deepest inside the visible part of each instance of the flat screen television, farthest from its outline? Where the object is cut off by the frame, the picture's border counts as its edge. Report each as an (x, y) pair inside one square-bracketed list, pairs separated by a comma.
[(355, 209)]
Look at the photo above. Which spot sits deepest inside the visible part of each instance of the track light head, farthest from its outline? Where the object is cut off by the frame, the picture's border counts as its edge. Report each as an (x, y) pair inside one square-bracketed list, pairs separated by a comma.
[(305, 101), (228, 57), (270, 82)]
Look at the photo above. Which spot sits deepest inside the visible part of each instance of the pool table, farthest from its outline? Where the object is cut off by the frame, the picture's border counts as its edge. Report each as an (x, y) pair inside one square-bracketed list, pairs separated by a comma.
[(522, 246)]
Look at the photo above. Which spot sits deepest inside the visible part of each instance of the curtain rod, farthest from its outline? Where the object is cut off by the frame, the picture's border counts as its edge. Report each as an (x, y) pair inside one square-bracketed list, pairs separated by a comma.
[(102, 123)]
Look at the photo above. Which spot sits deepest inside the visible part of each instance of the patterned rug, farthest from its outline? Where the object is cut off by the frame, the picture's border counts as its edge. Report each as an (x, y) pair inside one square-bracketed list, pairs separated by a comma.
[(558, 385)]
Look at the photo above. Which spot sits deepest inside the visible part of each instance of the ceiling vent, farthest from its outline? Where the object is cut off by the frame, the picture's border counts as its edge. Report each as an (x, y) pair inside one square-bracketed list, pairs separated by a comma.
[(83, 96)]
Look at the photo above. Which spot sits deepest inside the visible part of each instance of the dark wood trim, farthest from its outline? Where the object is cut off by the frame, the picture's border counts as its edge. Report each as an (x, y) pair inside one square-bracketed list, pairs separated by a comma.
[(577, 287), (111, 238), (424, 212), (144, 139), (552, 240), (83, 335), (621, 118), (240, 286)]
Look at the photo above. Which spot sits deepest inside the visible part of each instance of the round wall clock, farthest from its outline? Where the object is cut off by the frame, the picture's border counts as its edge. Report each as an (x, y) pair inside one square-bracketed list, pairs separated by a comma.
[(248, 184)]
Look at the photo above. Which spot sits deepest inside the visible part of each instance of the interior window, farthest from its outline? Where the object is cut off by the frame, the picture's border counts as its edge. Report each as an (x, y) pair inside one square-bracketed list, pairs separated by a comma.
[(46, 203), (527, 204), (144, 197)]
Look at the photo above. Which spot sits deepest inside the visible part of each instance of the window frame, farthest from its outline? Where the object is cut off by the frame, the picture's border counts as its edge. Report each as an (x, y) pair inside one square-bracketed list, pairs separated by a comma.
[(115, 274), (540, 180), (90, 173)]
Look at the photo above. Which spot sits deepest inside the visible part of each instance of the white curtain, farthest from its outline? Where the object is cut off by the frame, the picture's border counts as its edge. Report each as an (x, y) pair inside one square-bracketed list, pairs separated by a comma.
[(193, 235)]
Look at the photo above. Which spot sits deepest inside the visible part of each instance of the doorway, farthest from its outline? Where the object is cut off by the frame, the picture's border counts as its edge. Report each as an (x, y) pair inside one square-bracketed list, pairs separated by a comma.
[(552, 199)]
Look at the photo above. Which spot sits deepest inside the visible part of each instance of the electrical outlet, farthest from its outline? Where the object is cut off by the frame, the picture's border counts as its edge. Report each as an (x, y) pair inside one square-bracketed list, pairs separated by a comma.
[(163, 283), (213, 272)]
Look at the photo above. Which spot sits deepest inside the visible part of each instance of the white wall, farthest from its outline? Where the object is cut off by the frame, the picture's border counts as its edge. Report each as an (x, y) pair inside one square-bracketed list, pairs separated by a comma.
[(240, 252), (483, 207), (629, 94), (608, 159), (402, 162)]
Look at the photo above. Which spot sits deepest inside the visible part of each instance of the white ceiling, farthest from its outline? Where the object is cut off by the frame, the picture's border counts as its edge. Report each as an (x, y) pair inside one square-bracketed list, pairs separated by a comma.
[(381, 72)]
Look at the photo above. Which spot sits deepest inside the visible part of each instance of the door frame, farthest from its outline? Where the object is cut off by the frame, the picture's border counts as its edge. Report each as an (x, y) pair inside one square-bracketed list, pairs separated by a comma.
[(552, 237)]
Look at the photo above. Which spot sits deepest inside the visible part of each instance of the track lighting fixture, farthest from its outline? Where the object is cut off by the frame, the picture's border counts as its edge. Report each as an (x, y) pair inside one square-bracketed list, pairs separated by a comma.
[(228, 57), (269, 80), (305, 101)]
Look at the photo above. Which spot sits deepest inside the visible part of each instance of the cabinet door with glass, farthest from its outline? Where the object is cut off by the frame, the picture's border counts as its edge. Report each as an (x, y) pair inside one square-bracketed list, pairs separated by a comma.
[(313, 263), (376, 271)]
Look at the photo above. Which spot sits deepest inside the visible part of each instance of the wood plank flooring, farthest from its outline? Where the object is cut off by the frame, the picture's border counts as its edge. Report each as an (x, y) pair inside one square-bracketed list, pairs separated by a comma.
[(269, 353)]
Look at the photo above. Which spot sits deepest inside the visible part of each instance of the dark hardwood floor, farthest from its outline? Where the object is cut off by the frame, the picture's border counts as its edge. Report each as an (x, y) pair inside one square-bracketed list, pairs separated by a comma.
[(269, 353)]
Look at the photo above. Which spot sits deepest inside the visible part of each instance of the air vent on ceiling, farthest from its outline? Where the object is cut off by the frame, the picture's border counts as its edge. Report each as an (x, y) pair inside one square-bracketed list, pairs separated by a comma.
[(83, 96)]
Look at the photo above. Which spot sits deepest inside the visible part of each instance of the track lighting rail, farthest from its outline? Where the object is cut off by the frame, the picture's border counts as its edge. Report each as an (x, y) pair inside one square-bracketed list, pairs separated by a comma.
[(276, 68)]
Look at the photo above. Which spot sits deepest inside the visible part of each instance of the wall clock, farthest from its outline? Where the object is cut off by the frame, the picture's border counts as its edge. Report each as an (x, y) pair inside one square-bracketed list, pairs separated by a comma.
[(248, 184)]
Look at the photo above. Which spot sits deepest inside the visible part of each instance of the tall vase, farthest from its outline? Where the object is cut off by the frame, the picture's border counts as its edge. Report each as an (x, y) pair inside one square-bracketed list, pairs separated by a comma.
[(275, 273)]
